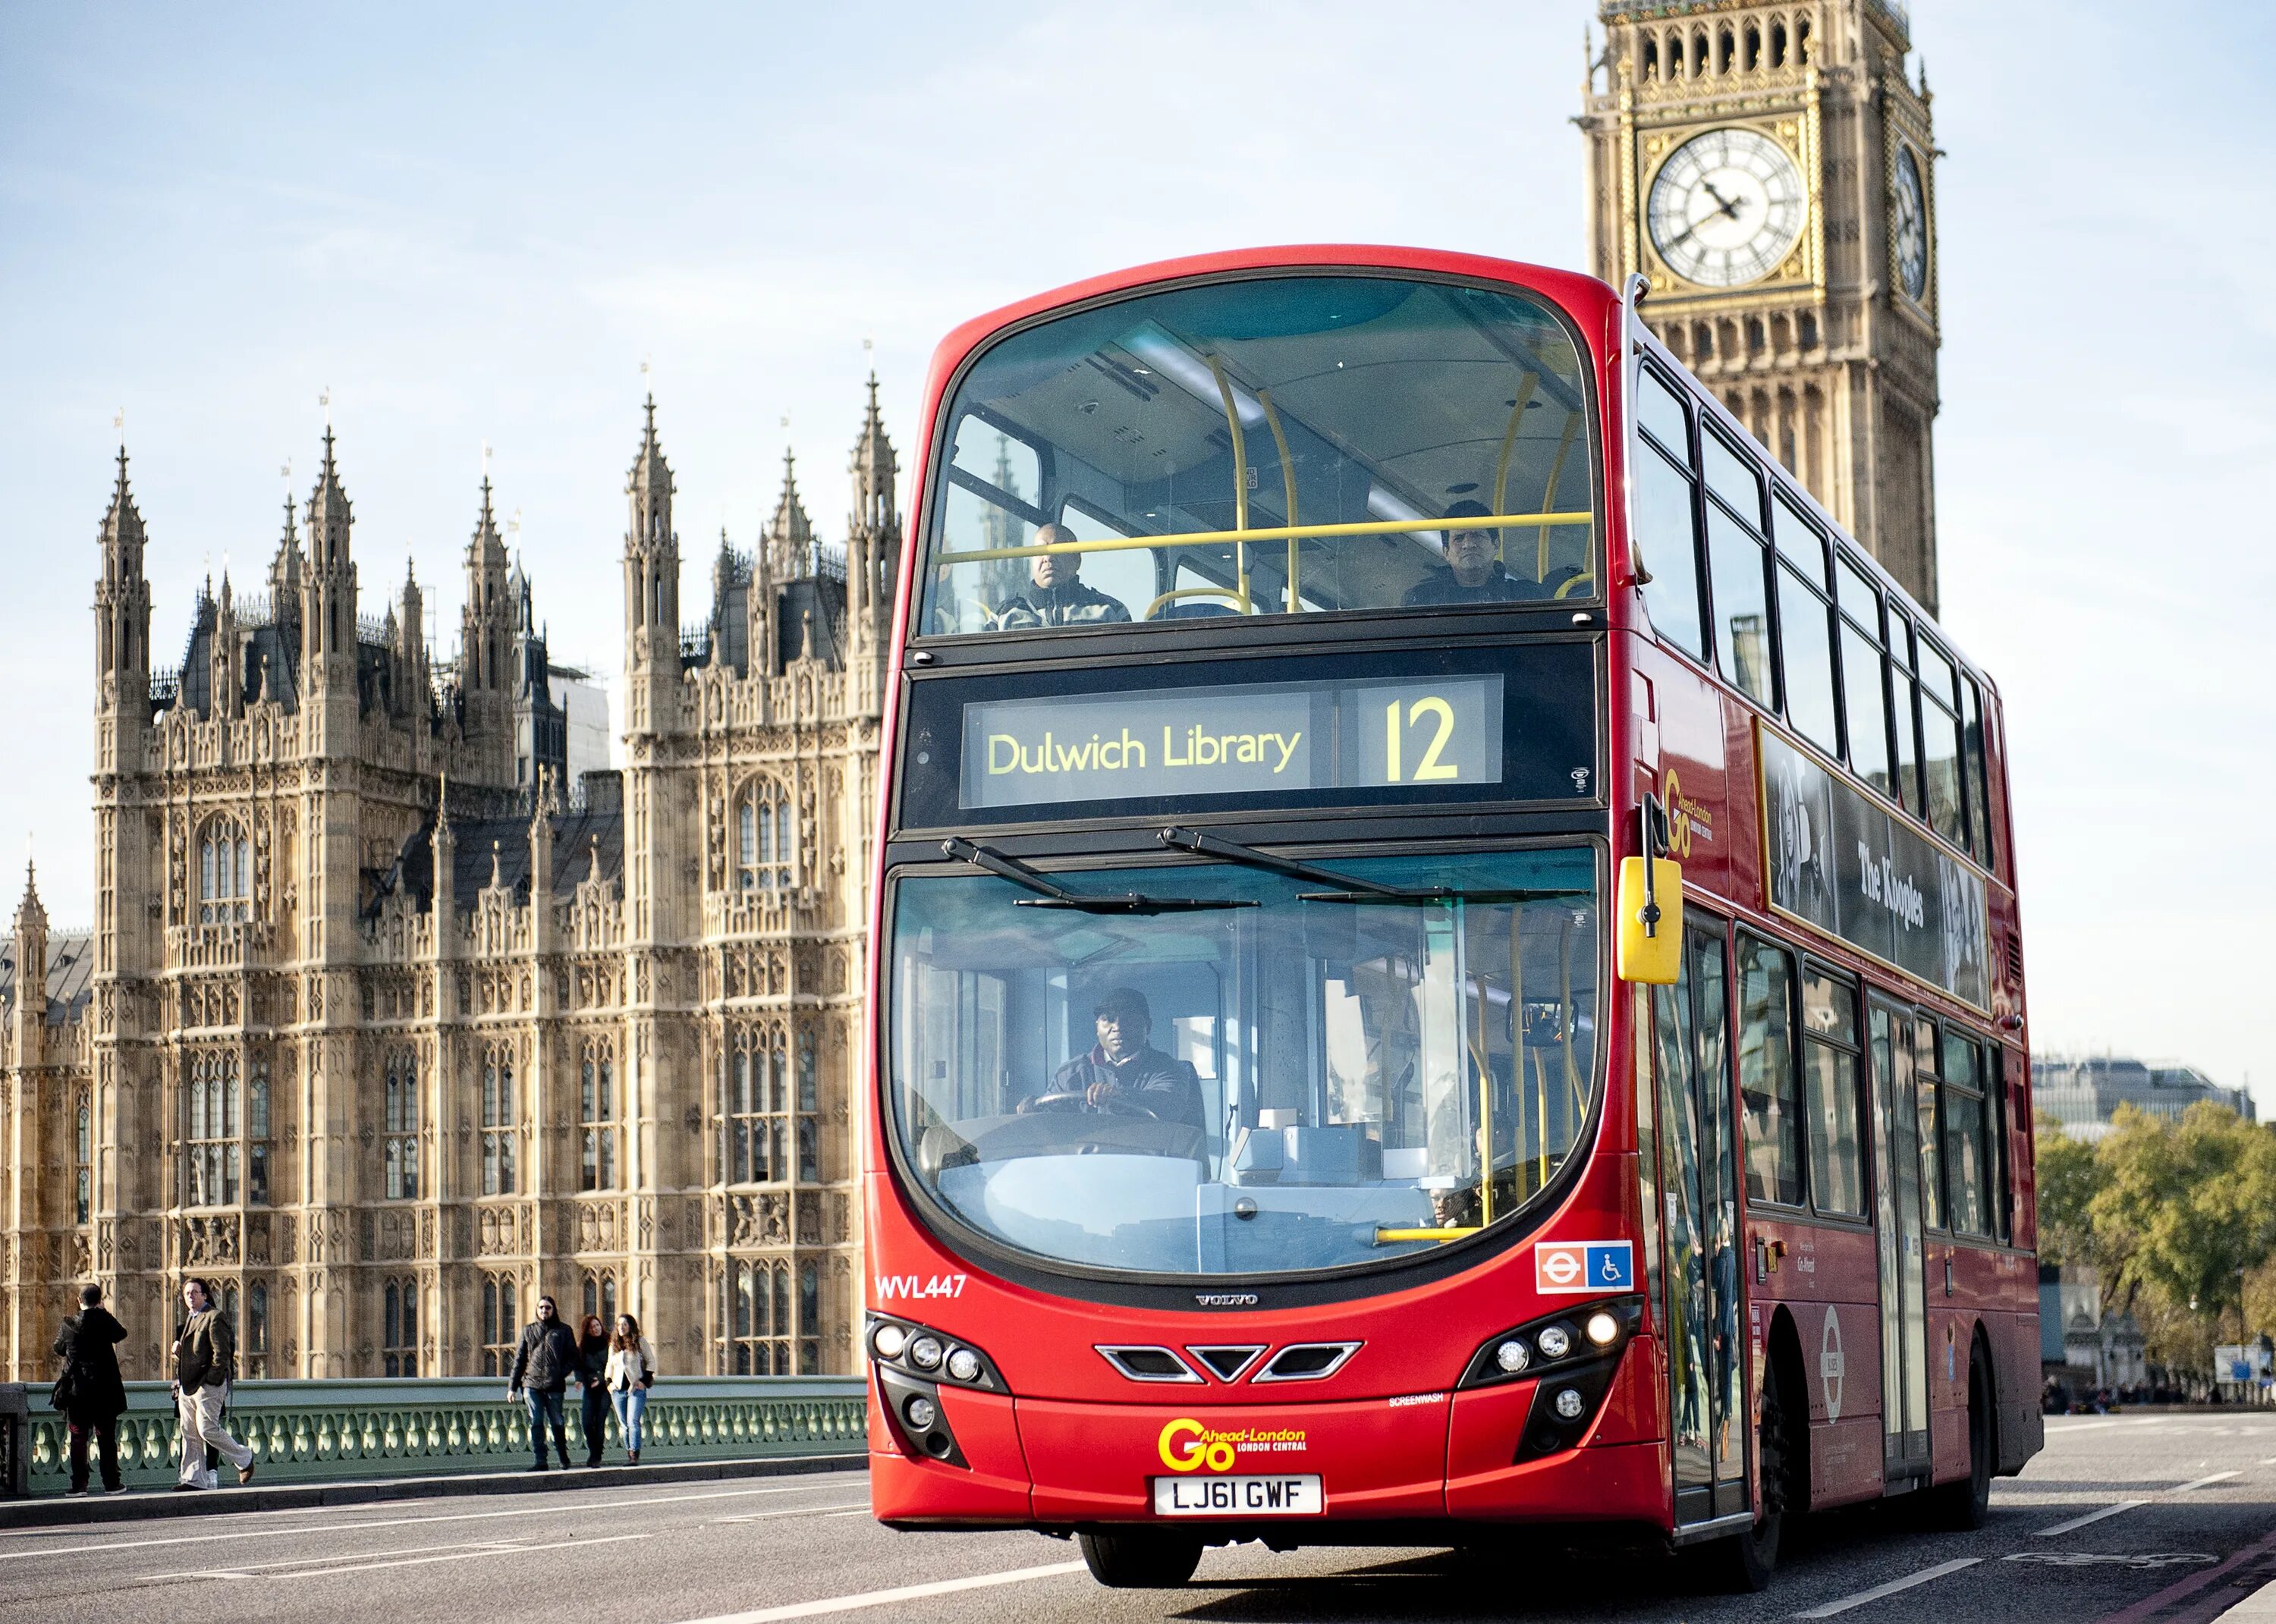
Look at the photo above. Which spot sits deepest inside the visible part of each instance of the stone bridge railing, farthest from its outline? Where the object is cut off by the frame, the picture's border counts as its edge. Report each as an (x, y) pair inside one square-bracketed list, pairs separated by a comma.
[(304, 1431)]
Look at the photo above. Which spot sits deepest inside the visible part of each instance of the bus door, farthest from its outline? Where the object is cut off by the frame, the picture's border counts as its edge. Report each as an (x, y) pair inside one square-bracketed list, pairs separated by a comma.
[(1898, 1220), (1699, 1176)]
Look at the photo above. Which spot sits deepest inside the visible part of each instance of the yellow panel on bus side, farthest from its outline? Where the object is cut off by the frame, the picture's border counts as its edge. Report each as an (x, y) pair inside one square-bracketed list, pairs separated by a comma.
[(1652, 958)]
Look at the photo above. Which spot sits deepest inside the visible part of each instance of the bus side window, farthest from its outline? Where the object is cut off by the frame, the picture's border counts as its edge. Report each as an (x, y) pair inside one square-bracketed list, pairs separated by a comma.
[(1940, 751), (1997, 1182), (1770, 1090), (1966, 1154), (1737, 570), (1667, 522), (1831, 1059), (1902, 702), (1805, 629), (1979, 779), (1864, 684), (1935, 1212)]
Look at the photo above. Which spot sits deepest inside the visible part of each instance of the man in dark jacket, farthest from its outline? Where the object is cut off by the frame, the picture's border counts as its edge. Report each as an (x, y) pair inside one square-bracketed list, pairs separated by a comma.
[(543, 1366), (1058, 597), (1124, 1067), (87, 1345)]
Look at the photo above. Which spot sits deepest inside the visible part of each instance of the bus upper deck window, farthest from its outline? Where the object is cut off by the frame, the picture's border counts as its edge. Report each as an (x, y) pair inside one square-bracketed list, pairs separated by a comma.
[(1270, 446)]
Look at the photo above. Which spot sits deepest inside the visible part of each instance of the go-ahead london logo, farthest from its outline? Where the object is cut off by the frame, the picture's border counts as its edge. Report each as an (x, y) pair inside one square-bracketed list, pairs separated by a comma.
[(1186, 1445)]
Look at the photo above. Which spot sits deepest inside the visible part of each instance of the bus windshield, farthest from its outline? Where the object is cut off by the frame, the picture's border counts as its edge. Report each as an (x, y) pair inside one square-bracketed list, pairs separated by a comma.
[(1295, 444), (1239, 1073)]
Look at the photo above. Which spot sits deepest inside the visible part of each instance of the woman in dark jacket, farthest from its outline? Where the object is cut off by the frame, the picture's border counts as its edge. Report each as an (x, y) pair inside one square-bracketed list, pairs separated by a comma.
[(593, 1357), (87, 1345)]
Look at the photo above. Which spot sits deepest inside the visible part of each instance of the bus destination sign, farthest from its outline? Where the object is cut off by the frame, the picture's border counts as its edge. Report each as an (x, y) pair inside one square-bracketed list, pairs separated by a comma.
[(1841, 861), (1243, 739)]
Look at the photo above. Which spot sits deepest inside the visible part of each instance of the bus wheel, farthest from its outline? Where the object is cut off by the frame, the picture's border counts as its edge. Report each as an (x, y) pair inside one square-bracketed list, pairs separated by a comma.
[(1742, 1564), (1963, 1507), (1141, 1559)]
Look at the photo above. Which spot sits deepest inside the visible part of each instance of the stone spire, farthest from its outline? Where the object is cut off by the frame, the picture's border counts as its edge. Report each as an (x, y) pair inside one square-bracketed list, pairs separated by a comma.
[(122, 606), (328, 586), (873, 553), (790, 532), (651, 586), (31, 1012), (486, 627)]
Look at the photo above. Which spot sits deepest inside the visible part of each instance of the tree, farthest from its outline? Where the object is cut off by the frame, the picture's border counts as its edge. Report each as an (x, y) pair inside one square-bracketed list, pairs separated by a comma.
[(2185, 1209), (2068, 1176)]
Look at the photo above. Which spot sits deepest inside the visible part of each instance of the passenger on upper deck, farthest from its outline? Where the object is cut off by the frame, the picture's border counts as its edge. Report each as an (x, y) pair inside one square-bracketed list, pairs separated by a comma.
[(1058, 597), (1125, 1067), (1473, 572)]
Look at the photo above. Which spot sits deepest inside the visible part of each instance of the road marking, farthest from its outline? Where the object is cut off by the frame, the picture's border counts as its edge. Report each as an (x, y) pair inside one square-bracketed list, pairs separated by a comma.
[(2091, 1516), (802, 1511), (327, 1571), (2150, 1607), (1846, 1602), (906, 1592), (246, 1570), (2088, 1426), (397, 1523), (2206, 1482)]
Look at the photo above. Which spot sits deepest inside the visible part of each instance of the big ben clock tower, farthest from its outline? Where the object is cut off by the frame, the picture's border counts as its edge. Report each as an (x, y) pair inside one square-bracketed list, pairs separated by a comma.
[(1768, 168)]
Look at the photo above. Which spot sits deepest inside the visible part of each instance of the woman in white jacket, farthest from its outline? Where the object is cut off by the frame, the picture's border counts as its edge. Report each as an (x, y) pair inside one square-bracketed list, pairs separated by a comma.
[(631, 1373)]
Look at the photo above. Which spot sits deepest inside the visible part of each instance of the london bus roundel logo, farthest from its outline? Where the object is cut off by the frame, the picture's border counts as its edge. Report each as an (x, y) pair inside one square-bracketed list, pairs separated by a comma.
[(1186, 1445)]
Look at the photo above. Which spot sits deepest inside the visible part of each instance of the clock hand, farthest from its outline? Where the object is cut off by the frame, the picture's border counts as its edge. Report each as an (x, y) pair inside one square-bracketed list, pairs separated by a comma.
[(1725, 206)]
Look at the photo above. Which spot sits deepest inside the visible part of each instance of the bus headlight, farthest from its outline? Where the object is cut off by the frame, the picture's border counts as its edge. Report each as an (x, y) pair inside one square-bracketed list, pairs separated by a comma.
[(1602, 1329), (1576, 1339), (919, 1350), (925, 1351), (1512, 1356), (889, 1340), (1568, 1404), (1555, 1341), (921, 1412), (963, 1364)]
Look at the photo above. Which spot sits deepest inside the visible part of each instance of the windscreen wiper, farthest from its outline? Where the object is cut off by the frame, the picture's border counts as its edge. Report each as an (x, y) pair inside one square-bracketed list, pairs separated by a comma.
[(1051, 894), (1350, 888)]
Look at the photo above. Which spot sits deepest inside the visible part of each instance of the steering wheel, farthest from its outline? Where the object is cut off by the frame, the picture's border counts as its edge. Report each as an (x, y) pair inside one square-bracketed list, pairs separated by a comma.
[(1077, 1099)]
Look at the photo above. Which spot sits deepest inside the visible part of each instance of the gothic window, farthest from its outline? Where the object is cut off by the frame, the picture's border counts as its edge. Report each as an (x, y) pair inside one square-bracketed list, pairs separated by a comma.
[(399, 1348), (810, 1318), (497, 1122), (256, 1133), (224, 874), (765, 836), (501, 1325), (253, 1357), (83, 1148), (754, 1084), (809, 1103), (399, 1147), (596, 1111), (215, 1159), (601, 1301), (758, 1319)]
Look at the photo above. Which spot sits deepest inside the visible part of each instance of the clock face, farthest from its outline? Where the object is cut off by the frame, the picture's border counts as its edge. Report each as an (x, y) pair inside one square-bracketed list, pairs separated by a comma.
[(1909, 227), (1726, 208)]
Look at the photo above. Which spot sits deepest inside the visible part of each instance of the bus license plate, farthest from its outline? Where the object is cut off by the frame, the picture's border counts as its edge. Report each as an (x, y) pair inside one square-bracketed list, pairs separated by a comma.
[(1262, 1496)]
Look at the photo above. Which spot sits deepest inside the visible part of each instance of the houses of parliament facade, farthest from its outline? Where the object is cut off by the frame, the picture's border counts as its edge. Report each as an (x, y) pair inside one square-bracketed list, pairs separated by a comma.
[(385, 1028)]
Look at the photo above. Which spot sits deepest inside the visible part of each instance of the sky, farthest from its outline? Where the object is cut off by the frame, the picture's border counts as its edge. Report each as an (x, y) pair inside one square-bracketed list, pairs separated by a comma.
[(499, 225)]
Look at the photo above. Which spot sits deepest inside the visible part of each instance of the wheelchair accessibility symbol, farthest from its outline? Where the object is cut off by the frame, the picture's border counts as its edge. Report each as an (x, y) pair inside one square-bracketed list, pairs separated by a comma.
[(1577, 1266)]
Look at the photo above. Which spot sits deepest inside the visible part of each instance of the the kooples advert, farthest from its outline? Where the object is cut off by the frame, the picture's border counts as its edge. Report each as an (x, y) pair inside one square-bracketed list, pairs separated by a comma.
[(1232, 739), (1841, 861)]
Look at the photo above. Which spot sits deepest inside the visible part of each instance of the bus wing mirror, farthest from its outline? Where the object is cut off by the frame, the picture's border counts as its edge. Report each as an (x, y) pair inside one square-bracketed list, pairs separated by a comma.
[(1650, 942)]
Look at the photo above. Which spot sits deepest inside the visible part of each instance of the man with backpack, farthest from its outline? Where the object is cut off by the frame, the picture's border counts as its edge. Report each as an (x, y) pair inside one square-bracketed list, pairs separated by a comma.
[(205, 1360), (543, 1366), (89, 1391)]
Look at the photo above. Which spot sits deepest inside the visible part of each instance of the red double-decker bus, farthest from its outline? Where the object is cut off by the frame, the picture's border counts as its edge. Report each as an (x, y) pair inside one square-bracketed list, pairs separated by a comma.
[(1445, 952)]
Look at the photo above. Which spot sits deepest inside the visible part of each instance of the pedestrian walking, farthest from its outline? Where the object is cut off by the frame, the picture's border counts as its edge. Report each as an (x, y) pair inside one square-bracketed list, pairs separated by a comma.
[(593, 1362), (543, 1366), (631, 1373), (205, 1363), (89, 1392)]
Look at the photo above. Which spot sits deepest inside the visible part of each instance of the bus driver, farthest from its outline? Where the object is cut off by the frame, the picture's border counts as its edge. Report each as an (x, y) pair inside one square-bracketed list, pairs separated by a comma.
[(1474, 572), (1058, 597), (1123, 1066)]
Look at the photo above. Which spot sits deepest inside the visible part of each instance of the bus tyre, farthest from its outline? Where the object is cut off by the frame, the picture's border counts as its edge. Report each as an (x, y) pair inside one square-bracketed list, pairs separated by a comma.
[(1742, 1564), (1963, 1507), (1141, 1559)]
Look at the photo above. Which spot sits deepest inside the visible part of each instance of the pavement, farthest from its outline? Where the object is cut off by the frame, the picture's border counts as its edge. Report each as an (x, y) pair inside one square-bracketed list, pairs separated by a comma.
[(2161, 1519)]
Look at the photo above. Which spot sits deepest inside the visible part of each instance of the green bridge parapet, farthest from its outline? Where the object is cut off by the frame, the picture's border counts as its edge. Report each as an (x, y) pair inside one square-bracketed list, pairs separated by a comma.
[(304, 1432)]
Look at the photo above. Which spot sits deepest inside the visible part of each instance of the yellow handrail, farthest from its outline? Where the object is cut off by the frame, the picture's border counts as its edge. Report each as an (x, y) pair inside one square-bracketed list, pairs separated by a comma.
[(1384, 1237), (1288, 484), (1274, 533), (1171, 596), (1556, 471), (1509, 445), (1239, 482)]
